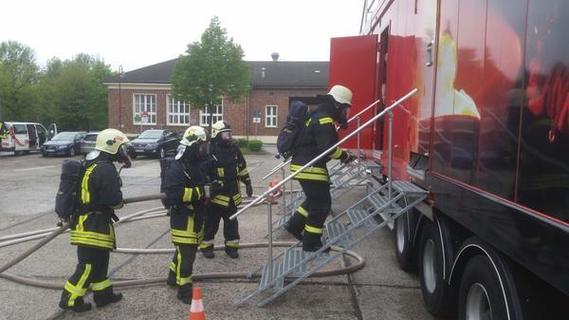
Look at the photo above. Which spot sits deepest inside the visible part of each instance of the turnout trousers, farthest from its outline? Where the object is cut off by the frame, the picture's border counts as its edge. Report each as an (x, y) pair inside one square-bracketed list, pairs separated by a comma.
[(91, 272), (310, 216), (230, 227)]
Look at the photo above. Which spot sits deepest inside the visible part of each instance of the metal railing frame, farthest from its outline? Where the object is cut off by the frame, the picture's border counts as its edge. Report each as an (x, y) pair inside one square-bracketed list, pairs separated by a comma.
[(262, 197)]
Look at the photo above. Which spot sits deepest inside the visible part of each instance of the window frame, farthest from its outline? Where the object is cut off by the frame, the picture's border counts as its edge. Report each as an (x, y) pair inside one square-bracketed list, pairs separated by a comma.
[(271, 116), (179, 115), (150, 113), (217, 115)]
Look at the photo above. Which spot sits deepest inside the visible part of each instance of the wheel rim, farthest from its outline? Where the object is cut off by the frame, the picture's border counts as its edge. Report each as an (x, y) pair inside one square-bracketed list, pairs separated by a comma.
[(478, 304), (72, 152), (429, 274), (400, 230), (162, 153)]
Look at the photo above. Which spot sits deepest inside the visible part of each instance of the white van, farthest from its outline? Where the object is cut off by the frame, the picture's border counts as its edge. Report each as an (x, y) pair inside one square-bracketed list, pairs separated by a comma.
[(24, 137)]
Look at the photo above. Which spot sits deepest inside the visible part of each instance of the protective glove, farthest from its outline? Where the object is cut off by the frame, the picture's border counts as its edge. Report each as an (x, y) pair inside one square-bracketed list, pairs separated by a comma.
[(347, 157), (249, 189)]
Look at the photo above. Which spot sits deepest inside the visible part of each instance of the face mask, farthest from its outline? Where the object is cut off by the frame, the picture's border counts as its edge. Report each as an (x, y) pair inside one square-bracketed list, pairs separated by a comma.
[(122, 157), (226, 136), (343, 119)]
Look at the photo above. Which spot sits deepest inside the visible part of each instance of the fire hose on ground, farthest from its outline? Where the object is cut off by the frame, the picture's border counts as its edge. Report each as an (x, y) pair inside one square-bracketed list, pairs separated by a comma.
[(52, 233)]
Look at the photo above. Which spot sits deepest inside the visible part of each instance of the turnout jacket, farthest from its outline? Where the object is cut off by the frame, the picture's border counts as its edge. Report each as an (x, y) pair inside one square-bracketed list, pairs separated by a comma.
[(318, 134), (230, 167), (100, 195), (185, 195)]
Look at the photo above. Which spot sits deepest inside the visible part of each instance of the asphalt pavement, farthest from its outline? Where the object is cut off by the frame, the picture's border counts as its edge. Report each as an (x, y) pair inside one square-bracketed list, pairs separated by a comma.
[(28, 185)]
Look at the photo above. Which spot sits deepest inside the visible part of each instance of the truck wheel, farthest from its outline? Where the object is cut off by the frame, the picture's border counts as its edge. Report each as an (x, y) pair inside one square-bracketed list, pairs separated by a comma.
[(404, 251), (439, 297)]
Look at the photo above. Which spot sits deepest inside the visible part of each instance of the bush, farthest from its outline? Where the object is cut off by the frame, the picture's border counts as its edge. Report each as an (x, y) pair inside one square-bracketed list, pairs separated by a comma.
[(242, 143), (255, 145)]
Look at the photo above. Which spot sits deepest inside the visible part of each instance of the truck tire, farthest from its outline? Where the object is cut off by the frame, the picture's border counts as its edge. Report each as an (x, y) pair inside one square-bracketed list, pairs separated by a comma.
[(488, 289), (440, 298), (404, 251)]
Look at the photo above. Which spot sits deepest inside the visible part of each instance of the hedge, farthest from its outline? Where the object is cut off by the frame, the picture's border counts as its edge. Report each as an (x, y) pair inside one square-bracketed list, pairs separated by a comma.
[(255, 145)]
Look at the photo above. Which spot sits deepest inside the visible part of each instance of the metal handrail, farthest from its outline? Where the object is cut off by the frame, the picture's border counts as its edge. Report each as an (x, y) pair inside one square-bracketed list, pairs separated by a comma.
[(284, 163), (323, 154)]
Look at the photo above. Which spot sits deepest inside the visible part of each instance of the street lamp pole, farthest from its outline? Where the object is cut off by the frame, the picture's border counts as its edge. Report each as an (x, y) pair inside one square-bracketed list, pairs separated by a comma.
[(121, 76)]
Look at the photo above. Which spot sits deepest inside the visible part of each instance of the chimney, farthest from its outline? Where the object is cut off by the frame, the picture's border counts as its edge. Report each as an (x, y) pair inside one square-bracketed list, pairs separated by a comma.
[(275, 56)]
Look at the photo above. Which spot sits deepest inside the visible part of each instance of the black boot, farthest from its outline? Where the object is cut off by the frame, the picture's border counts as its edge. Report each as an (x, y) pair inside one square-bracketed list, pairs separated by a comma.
[(208, 252), (78, 306), (232, 252), (171, 279), (311, 242), (295, 225), (105, 297), (185, 293)]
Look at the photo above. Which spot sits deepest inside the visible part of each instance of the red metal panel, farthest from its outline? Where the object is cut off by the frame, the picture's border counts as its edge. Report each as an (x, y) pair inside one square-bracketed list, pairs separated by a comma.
[(352, 64)]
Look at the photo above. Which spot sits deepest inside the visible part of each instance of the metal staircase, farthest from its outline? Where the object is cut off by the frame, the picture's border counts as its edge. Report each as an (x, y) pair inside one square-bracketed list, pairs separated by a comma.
[(380, 206), (372, 212)]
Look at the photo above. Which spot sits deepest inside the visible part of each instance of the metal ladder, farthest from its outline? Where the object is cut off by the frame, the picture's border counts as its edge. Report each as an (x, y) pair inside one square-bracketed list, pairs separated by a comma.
[(372, 212), (378, 208)]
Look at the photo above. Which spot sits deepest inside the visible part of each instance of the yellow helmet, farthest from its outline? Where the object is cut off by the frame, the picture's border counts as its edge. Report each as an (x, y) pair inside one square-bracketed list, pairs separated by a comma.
[(219, 127), (341, 94), (192, 135), (110, 140)]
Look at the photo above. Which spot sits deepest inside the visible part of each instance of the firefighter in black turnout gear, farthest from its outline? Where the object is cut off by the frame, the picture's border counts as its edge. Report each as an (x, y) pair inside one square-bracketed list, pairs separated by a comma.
[(184, 182), (318, 135), (229, 167), (92, 226)]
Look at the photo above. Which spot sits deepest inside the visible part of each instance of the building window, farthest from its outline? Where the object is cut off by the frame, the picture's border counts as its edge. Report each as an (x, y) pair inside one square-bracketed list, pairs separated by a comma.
[(217, 115), (144, 111), (178, 112), (271, 116)]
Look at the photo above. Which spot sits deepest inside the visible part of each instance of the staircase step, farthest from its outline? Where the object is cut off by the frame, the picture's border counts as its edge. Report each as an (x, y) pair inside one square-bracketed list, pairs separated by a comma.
[(359, 215), (377, 200), (334, 229), (406, 187), (292, 258), (277, 271)]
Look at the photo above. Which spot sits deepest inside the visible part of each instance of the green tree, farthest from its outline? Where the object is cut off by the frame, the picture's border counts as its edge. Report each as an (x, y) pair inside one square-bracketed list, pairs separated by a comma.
[(18, 75), (72, 93), (211, 69)]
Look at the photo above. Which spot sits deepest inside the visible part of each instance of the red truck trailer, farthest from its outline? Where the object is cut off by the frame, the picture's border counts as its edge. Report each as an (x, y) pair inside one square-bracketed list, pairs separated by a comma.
[(487, 135)]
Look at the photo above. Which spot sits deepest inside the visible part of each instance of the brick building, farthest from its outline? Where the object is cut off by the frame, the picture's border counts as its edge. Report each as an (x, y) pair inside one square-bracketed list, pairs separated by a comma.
[(141, 99)]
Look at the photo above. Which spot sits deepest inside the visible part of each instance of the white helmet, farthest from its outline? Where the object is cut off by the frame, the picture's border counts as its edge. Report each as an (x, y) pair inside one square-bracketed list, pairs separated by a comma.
[(341, 94), (219, 127), (110, 140), (192, 135)]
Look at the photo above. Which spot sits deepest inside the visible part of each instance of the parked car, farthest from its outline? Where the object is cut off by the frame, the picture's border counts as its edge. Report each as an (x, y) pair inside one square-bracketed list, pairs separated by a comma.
[(64, 143), (88, 142), (158, 143)]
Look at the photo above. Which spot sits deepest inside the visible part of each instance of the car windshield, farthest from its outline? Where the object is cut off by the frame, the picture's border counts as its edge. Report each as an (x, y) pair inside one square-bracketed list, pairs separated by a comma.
[(64, 136), (90, 137), (151, 134)]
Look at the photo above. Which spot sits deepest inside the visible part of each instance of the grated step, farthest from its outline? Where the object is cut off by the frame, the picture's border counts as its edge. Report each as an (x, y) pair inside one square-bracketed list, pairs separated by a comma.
[(377, 200), (292, 258), (359, 215), (334, 230), (277, 271), (406, 187)]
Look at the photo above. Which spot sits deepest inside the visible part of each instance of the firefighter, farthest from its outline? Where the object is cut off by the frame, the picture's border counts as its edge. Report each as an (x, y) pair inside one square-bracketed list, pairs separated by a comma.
[(92, 227), (229, 168), (184, 182), (3, 131), (318, 135)]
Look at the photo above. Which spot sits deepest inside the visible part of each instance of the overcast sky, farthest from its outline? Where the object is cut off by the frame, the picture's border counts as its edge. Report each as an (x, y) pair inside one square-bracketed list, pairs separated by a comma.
[(137, 33)]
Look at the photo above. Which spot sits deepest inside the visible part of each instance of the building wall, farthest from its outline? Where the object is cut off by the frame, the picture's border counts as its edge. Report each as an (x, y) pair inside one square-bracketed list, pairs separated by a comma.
[(239, 115)]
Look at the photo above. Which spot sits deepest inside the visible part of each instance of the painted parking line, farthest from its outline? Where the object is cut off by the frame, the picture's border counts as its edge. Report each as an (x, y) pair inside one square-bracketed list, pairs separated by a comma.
[(34, 168)]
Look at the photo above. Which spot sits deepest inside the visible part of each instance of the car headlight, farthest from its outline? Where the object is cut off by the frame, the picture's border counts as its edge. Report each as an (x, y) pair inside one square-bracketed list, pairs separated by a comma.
[(61, 147), (151, 145)]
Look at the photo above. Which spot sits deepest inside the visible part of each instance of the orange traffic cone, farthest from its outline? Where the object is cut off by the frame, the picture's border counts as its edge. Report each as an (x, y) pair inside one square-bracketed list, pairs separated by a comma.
[(196, 308)]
